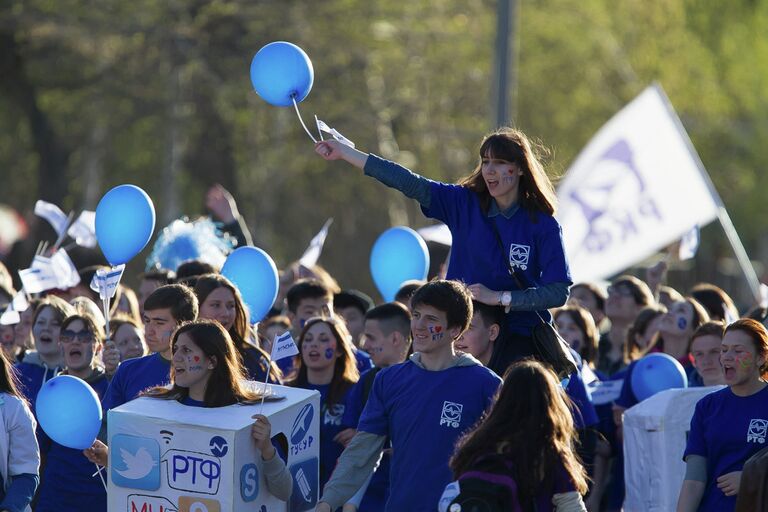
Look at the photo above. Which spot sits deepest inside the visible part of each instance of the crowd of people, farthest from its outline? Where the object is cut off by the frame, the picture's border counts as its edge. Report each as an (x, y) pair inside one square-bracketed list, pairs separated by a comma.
[(440, 398)]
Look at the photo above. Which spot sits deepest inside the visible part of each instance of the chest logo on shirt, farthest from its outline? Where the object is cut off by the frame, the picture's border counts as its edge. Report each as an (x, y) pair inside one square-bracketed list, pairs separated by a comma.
[(757, 431), (333, 415), (451, 415), (518, 255)]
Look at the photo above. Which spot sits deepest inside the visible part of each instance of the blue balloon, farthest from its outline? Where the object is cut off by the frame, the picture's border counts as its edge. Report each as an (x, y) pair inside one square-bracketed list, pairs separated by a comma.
[(398, 255), (69, 411), (125, 220), (282, 70), (657, 372), (255, 275)]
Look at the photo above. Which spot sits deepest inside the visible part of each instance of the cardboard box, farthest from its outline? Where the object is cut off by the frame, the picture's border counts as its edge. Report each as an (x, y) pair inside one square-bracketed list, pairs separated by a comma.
[(167, 457), (655, 435)]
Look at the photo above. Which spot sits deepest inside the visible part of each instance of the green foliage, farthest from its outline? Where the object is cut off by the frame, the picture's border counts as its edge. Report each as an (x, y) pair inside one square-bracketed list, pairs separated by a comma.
[(158, 94)]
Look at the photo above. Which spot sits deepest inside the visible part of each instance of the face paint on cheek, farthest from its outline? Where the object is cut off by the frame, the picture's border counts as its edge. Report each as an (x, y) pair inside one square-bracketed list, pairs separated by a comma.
[(196, 368), (682, 323), (437, 332), (744, 361), (329, 353), (301, 323)]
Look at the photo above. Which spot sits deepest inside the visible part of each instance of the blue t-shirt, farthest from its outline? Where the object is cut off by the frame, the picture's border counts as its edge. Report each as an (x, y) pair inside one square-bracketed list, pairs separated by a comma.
[(69, 483), (584, 414), (134, 376), (377, 494), (534, 248), (330, 425), (31, 379), (424, 413), (727, 429)]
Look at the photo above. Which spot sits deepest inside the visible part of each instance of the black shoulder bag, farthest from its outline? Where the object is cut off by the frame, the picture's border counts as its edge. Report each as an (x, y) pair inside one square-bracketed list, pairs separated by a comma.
[(550, 347)]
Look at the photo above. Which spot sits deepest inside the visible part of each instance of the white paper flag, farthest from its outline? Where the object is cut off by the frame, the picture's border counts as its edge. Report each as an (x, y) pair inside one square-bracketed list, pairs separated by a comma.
[(9, 317), (83, 230), (635, 188), (36, 280), (333, 133), (53, 214), (315, 248), (64, 270), (19, 302), (283, 346), (105, 281)]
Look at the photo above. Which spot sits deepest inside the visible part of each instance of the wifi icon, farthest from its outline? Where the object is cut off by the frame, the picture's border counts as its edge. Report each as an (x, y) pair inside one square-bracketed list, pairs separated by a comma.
[(167, 435)]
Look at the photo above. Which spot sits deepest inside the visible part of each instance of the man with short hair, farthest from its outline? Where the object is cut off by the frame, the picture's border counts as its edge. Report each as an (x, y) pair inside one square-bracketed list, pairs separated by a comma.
[(164, 310)]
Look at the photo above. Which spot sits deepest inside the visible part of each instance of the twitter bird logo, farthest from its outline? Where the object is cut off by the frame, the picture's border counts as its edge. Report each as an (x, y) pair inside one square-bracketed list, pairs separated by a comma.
[(138, 464)]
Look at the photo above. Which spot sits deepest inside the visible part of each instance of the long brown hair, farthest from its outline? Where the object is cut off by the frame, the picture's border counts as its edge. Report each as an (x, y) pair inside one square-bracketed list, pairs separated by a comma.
[(240, 331), (530, 424), (225, 385), (536, 192), (9, 382), (643, 320), (345, 372)]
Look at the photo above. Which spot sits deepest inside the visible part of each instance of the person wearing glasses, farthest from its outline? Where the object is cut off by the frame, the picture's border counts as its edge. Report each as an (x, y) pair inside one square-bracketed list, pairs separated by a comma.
[(68, 479)]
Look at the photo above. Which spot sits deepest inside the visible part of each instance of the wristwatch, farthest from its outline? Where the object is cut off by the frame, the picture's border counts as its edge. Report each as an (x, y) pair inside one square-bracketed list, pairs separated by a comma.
[(506, 298)]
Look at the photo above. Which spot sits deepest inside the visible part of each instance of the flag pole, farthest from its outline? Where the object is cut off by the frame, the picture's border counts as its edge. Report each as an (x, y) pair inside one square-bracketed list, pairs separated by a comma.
[(722, 214)]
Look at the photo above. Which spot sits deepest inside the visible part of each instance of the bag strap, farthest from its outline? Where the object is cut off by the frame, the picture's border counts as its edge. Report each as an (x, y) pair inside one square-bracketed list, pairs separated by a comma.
[(510, 268)]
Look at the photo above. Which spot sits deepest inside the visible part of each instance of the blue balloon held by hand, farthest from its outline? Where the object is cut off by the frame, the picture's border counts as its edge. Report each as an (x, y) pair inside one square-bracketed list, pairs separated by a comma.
[(125, 221), (657, 372), (69, 412), (281, 71), (255, 275), (398, 255)]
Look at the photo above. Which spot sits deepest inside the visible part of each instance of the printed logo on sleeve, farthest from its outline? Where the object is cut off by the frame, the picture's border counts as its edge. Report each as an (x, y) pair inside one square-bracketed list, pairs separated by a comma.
[(518, 255), (451, 415), (757, 431)]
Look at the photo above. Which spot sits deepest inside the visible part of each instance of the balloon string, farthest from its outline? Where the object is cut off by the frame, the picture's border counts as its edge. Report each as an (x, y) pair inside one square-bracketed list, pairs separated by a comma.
[(98, 471), (296, 106)]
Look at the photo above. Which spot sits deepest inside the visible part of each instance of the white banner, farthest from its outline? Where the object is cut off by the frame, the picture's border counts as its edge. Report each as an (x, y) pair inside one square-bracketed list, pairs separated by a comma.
[(635, 188), (283, 346)]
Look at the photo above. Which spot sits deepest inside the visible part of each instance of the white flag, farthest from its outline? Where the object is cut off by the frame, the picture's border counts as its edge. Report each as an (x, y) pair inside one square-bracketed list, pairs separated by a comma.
[(635, 188), (283, 346), (64, 270), (19, 302), (9, 316), (36, 280), (83, 230), (105, 281), (438, 233), (312, 254), (321, 126), (689, 244), (53, 214)]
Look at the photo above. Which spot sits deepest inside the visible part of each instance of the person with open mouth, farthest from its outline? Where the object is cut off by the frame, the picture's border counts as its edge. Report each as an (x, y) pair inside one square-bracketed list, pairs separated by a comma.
[(68, 479), (728, 426)]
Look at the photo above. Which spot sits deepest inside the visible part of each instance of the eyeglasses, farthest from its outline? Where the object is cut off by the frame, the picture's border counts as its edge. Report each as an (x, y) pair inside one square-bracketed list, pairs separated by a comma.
[(68, 336), (621, 291)]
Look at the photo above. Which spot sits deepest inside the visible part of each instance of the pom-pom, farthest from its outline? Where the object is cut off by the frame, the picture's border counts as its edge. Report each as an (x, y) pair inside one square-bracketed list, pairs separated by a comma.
[(183, 240)]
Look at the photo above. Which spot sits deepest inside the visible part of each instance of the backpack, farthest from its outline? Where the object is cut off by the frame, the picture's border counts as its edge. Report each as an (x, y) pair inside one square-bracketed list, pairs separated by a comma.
[(487, 488)]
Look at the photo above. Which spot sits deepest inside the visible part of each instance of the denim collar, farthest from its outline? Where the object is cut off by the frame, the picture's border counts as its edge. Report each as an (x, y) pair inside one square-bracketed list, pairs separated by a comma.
[(493, 210)]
